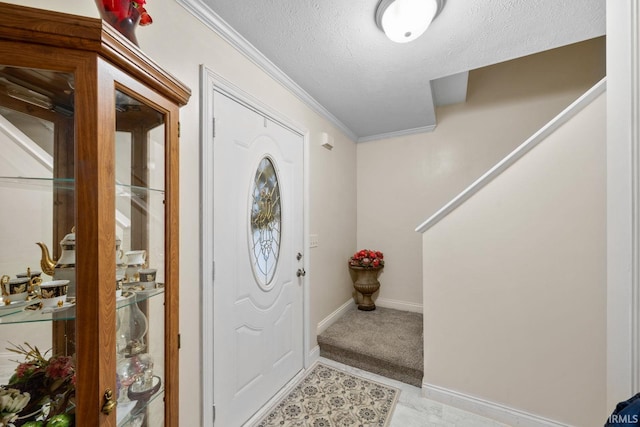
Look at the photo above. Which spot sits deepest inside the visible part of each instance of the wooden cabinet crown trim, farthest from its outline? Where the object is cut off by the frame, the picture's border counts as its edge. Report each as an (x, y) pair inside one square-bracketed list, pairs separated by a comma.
[(35, 26)]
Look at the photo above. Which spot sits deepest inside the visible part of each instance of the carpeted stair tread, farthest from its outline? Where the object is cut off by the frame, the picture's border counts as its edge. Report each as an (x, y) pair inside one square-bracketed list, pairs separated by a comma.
[(384, 341)]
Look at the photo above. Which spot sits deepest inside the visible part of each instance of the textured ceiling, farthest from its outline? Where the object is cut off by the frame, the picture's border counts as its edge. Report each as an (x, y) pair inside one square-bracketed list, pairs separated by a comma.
[(334, 52)]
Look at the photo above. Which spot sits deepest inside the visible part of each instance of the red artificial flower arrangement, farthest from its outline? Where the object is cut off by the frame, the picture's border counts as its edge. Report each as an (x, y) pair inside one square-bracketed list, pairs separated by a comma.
[(367, 258), (145, 18), (121, 10), (124, 16)]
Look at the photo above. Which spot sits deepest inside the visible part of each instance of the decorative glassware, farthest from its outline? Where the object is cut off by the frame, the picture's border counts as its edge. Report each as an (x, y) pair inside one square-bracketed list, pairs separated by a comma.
[(126, 375), (132, 327), (136, 379)]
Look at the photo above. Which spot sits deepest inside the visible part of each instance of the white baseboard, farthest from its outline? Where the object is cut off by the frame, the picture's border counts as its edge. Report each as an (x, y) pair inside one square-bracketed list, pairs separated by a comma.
[(313, 356), (338, 313), (485, 408), (399, 305)]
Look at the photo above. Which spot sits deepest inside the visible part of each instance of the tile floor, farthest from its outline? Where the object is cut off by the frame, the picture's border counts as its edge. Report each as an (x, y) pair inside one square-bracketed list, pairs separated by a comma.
[(413, 410)]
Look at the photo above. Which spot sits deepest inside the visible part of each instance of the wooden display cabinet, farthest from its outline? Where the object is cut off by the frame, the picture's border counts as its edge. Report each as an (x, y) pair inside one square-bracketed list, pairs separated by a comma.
[(89, 130)]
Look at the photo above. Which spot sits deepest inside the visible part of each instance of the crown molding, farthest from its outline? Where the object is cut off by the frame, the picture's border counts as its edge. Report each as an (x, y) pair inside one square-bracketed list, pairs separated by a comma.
[(405, 132), (212, 20)]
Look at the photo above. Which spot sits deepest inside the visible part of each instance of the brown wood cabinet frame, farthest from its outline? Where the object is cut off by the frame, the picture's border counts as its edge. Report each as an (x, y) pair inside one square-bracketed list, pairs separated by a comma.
[(102, 60)]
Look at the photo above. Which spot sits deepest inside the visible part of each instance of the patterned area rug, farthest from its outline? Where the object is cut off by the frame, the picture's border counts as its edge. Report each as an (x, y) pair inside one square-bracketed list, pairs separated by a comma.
[(327, 397)]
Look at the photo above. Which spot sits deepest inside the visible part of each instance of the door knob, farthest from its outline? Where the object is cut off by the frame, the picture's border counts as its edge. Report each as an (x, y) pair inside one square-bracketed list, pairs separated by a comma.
[(301, 272), (299, 256)]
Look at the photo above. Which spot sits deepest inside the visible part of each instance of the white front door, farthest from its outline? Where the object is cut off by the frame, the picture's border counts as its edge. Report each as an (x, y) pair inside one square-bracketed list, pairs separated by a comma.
[(258, 247)]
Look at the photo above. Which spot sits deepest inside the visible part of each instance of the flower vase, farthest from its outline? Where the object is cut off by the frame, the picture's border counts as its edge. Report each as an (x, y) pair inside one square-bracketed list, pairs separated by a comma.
[(366, 282), (121, 15)]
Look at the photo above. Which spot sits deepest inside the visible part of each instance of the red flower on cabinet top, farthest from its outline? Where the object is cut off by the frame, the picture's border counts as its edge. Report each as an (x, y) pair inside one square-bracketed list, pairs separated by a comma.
[(123, 9), (125, 15), (145, 18)]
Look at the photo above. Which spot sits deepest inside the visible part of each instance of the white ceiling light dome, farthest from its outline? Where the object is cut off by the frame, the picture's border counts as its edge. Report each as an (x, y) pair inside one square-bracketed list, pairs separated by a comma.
[(405, 20)]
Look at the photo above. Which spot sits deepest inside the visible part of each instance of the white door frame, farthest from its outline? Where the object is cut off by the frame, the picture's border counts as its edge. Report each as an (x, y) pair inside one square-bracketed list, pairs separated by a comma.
[(210, 81), (623, 200)]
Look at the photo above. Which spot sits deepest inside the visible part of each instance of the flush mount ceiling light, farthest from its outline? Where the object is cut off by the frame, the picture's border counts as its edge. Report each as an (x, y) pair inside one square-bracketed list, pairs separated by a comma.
[(405, 20)]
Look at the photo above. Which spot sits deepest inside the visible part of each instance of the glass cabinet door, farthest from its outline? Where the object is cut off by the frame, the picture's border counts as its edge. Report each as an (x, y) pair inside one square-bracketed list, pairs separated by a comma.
[(37, 257), (140, 270), (37, 254)]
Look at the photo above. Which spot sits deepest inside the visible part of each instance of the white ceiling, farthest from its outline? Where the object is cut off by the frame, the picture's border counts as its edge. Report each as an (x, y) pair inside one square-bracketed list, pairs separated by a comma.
[(332, 54)]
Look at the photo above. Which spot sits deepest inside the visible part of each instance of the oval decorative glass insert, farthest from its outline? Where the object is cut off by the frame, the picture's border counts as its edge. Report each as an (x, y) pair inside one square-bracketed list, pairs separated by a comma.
[(265, 222)]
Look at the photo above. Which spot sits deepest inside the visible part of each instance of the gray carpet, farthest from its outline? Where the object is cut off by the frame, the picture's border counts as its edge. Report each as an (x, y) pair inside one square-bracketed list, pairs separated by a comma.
[(384, 341)]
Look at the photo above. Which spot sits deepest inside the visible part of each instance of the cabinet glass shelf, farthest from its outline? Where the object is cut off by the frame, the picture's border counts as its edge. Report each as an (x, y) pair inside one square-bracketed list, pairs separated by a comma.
[(45, 184), (30, 314)]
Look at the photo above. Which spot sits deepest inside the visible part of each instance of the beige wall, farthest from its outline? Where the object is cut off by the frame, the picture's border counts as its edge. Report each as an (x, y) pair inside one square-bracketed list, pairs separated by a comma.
[(515, 282), (402, 181), (420, 173), (180, 43), (331, 173)]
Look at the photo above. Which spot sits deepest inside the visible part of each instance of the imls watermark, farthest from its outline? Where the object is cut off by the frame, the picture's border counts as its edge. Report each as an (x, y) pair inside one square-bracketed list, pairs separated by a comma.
[(624, 419)]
